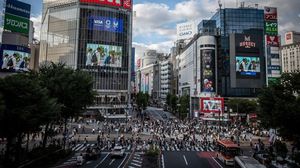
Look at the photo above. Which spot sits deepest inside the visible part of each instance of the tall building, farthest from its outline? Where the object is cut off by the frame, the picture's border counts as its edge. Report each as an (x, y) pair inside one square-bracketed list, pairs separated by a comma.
[(239, 23), (165, 78), (94, 36), (290, 52)]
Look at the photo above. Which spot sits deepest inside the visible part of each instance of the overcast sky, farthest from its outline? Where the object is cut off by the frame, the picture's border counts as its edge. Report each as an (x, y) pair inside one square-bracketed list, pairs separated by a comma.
[(155, 23)]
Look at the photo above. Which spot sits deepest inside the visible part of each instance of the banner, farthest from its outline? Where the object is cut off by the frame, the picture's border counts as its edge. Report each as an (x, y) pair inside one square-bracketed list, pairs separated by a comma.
[(18, 8), (270, 14), (272, 41), (211, 105), (115, 3), (106, 24), (271, 28), (207, 70), (16, 24), (127, 4)]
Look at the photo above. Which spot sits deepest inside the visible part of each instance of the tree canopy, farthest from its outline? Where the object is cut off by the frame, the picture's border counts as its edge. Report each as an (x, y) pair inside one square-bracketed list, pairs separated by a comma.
[(280, 106)]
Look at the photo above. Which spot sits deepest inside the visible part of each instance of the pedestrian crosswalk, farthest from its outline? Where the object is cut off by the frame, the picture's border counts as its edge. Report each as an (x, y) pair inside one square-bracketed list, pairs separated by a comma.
[(81, 147), (191, 149), (136, 161)]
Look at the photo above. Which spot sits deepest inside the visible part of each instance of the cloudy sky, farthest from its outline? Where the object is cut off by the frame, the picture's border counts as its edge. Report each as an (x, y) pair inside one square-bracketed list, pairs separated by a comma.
[(154, 25)]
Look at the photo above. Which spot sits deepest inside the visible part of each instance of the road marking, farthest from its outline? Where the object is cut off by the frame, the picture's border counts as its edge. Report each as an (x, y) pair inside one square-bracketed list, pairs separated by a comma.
[(123, 161), (201, 149), (185, 160), (76, 146), (211, 149), (101, 161), (139, 162), (112, 161), (162, 161), (135, 164), (216, 162), (137, 158), (197, 149)]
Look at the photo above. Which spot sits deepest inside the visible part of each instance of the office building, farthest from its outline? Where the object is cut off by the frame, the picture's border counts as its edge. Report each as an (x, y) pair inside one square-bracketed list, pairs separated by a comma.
[(241, 24), (94, 36), (165, 78), (290, 52)]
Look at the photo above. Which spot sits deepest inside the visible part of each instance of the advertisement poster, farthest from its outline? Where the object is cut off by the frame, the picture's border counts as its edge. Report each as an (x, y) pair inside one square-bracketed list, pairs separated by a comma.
[(272, 40), (207, 70), (16, 24), (127, 4), (103, 55), (106, 24), (247, 66), (116, 3), (18, 8), (212, 105), (271, 28), (270, 13), (14, 58)]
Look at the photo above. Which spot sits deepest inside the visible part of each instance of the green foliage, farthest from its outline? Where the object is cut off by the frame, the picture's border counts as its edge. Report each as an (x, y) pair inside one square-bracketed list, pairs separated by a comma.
[(168, 99), (153, 151), (72, 88), (27, 105), (184, 102), (280, 106), (174, 100), (242, 105), (142, 100), (281, 149)]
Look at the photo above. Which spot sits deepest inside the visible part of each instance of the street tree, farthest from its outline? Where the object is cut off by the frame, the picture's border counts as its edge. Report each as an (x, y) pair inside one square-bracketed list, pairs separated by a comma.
[(73, 89), (174, 102), (280, 106), (245, 106), (184, 102), (27, 107)]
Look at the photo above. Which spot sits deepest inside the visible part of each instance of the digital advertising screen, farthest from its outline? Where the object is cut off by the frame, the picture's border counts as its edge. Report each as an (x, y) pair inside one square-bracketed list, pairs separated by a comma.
[(103, 55), (247, 66), (106, 24), (271, 28), (14, 58), (212, 105), (207, 70), (270, 13)]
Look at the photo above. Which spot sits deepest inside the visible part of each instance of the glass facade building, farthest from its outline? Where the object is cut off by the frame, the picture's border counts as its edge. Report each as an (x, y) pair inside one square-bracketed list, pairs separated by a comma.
[(230, 21), (95, 38)]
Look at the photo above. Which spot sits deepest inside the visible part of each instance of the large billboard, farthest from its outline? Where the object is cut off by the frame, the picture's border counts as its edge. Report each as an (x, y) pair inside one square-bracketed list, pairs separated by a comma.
[(103, 55), (116, 3), (211, 105), (207, 70), (247, 56), (186, 30), (14, 58), (270, 14), (16, 24), (106, 24), (18, 8), (247, 66)]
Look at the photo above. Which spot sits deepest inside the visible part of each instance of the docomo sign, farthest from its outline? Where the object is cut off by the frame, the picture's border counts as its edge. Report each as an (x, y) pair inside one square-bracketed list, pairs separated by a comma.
[(212, 105), (116, 3)]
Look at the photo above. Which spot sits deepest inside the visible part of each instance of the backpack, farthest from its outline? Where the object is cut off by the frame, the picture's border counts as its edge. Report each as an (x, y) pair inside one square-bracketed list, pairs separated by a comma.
[(10, 62), (94, 58)]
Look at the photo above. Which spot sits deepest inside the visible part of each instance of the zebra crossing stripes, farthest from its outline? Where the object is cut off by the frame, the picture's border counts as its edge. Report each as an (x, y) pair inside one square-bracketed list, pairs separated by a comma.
[(191, 149)]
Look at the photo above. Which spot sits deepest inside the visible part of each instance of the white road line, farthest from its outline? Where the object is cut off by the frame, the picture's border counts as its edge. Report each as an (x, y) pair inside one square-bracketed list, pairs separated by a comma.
[(137, 158), (111, 161), (162, 161), (136, 161), (92, 145), (76, 146), (101, 161), (201, 149), (135, 164), (211, 149), (123, 161), (185, 160), (197, 149), (217, 162)]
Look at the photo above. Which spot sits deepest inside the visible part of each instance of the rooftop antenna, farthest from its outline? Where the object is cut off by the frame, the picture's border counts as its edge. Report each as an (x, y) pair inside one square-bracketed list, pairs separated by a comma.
[(220, 4)]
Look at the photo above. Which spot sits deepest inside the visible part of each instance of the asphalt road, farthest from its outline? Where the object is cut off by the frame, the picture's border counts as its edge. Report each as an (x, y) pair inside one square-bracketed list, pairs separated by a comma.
[(157, 113), (190, 160)]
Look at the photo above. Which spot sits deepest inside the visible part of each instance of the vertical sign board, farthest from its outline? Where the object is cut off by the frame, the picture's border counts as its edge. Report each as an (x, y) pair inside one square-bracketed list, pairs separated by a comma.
[(17, 16), (208, 70), (272, 44)]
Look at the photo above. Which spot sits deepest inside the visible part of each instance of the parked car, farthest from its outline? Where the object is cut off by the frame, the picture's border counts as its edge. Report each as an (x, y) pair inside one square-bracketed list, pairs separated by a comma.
[(118, 151)]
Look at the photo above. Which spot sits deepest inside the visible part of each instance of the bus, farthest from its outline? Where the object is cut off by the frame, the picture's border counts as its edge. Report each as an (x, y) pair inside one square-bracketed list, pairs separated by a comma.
[(226, 151), (246, 162)]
